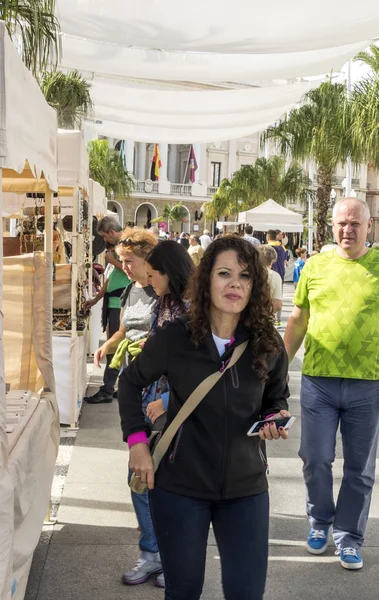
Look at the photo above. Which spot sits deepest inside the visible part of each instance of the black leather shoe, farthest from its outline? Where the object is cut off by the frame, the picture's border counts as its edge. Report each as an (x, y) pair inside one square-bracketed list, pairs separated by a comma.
[(98, 398)]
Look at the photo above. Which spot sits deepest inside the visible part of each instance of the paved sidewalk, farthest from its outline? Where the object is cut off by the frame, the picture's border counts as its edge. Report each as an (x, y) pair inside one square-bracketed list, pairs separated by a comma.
[(95, 539)]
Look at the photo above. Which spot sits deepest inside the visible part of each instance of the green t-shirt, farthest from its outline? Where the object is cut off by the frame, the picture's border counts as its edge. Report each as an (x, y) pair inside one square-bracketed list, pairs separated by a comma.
[(342, 295), (117, 279)]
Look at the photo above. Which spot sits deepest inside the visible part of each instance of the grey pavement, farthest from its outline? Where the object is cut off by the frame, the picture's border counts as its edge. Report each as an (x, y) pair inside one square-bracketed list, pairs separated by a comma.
[(95, 538)]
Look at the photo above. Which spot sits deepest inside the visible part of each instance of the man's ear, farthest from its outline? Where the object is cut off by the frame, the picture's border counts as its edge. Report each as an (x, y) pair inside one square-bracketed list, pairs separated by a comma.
[(369, 225)]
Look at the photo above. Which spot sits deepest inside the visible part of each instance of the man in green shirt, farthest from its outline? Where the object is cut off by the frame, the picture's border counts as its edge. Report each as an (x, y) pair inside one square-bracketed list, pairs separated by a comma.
[(111, 230), (337, 311)]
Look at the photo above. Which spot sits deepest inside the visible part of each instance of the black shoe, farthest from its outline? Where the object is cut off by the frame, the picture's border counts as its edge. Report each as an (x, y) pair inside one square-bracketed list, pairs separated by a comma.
[(115, 395), (99, 398)]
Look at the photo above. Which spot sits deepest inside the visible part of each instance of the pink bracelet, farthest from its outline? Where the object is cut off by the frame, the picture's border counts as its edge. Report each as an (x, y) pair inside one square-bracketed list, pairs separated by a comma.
[(139, 437), (268, 417)]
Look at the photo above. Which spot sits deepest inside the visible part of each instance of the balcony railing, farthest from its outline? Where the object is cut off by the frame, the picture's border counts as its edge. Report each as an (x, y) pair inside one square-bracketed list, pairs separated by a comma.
[(142, 186), (181, 189), (212, 190), (176, 189), (338, 179)]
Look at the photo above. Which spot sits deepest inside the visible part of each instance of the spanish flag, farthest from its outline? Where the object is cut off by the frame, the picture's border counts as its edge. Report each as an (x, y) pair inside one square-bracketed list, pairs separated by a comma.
[(156, 164)]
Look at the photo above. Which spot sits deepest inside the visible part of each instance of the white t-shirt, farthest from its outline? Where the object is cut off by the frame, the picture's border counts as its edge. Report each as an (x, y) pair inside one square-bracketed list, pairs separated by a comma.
[(276, 284), (253, 240), (205, 241), (220, 343)]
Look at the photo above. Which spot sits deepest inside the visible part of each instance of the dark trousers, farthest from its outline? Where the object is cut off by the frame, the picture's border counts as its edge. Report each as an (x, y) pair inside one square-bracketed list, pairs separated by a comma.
[(241, 529), (110, 375)]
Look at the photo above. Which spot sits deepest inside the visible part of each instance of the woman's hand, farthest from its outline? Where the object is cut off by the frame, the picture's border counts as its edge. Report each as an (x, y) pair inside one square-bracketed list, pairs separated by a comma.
[(269, 430), (155, 409), (141, 463), (100, 354)]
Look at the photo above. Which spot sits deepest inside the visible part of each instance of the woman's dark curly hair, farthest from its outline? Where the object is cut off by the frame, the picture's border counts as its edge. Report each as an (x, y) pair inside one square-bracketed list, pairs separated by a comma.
[(258, 316)]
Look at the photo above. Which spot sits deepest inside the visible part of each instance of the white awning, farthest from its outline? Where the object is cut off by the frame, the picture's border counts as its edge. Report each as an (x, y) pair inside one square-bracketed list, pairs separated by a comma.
[(28, 125)]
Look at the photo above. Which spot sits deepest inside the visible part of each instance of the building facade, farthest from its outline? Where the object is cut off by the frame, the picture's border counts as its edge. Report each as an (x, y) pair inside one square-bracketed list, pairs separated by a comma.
[(215, 162)]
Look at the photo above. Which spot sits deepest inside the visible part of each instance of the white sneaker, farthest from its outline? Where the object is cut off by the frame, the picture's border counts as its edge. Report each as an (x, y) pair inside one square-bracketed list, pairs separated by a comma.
[(148, 564)]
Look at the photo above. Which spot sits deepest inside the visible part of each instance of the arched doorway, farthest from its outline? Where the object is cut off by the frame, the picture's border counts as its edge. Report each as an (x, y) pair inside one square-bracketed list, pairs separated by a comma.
[(116, 207), (144, 213)]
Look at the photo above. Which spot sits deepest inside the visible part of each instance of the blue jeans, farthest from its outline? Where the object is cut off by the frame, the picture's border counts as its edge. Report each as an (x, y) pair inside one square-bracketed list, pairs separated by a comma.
[(241, 530), (327, 402), (147, 540)]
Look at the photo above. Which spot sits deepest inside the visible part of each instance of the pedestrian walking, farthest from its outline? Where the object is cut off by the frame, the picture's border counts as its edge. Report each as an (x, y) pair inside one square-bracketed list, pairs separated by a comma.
[(205, 239), (137, 301), (337, 311), (299, 264), (111, 231), (249, 236), (168, 268), (195, 250), (213, 472), (268, 256)]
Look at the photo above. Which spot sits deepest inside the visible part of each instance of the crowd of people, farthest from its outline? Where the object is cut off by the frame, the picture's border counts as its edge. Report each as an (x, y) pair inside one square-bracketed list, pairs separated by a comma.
[(181, 315)]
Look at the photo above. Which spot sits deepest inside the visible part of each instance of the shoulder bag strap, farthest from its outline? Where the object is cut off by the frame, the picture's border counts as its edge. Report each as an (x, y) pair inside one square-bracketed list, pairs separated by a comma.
[(192, 402)]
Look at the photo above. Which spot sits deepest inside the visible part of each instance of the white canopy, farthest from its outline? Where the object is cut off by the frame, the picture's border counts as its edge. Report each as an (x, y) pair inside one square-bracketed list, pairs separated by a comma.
[(125, 61), (73, 162), (127, 50), (180, 116), (271, 215), (28, 126), (98, 199), (242, 26)]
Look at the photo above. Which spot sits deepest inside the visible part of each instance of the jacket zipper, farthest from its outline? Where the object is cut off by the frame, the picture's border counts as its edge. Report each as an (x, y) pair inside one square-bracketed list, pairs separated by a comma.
[(176, 444), (226, 454), (263, 458)]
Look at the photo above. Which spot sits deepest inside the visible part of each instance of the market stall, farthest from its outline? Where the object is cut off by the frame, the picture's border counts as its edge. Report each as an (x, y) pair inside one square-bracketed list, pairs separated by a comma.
[(98, 210), (29, 425), (271, 215), (70, 321)]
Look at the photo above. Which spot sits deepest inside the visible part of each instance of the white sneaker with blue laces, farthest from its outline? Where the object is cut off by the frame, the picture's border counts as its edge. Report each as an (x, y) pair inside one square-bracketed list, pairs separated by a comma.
[(350, 558), (317, 542)]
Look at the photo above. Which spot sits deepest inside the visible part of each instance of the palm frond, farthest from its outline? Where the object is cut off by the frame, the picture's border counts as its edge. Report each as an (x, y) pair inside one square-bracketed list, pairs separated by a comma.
[(369, 57), (34, 22), (106, 166), (69, 93)]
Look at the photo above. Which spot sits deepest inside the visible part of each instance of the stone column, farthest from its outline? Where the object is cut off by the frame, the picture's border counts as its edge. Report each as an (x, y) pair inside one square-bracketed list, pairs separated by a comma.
[(199, 188), (129, 155), (232, 157), (163, 184), (172, 163), (141, 161), (163, 152)]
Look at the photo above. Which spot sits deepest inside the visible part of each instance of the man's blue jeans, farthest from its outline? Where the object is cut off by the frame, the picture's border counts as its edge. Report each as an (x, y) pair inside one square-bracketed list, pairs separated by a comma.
[(147, 540), (241, 529), (327, 402)]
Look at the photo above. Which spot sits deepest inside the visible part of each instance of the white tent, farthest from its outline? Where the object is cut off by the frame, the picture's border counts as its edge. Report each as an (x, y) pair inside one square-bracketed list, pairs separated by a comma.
[(27, 133), (271, 215)]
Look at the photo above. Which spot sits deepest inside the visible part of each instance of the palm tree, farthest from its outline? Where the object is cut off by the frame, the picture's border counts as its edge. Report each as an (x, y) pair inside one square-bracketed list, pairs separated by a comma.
[(106, 166), (172, 214), (370, 57), (253, 184), (69, 93), (35, 22), (321, 129)]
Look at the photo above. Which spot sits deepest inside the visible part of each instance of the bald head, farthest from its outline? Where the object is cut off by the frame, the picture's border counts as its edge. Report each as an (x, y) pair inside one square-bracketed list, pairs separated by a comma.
[(351, 224), (352, 204)]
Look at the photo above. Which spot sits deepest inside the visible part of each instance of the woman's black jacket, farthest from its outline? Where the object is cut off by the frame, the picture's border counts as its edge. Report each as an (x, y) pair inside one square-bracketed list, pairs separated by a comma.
[(211, 457)]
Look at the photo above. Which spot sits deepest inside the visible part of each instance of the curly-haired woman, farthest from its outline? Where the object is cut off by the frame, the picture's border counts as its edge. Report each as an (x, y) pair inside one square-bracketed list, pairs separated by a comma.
[(213, 472)]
